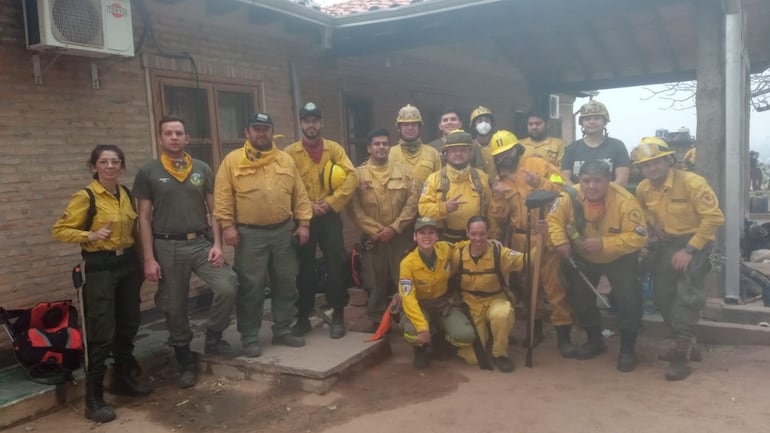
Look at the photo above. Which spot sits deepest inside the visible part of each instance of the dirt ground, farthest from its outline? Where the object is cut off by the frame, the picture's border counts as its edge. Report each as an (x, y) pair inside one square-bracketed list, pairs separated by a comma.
[(728, 392)]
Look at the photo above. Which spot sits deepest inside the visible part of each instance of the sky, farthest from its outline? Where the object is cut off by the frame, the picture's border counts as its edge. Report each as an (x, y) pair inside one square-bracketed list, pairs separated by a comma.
[(632, 117)]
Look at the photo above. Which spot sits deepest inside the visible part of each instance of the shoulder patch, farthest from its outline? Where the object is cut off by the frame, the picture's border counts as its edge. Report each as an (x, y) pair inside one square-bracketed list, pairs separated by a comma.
[(640, 230), (635, 216), (513, 253), (708, 198), (406, 287)]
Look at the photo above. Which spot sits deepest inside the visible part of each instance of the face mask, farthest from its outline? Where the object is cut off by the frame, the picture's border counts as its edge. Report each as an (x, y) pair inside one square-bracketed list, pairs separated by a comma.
[(483, 128)]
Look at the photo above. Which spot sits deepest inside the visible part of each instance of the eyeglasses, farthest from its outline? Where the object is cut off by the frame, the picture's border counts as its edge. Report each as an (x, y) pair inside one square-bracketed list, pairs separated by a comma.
[(115, 162)]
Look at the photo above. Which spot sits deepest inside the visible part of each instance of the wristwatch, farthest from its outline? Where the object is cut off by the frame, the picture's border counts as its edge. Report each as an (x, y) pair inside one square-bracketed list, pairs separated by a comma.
[(690, 249)]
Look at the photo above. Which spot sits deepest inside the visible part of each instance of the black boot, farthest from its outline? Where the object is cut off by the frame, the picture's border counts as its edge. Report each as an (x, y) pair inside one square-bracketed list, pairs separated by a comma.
[(442, 350), (337, 329), (124, 382), (627, 357), (421, 360), (678, 368), (96, 408), (216, 346), (302, 326), (594, 346), (564, 341), (504, 364), (538, 334), (187, 365)]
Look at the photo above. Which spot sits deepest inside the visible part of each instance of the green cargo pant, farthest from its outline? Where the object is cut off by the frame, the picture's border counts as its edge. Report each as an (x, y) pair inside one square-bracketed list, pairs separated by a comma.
[(111, 310), (259, 254), (680, 296), (178, 260), (380, 267), (457, 328)]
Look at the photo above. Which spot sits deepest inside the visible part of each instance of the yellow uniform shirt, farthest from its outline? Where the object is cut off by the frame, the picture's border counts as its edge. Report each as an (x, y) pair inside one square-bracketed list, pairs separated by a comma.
[(685, 205), (417, 281), (550, 149), (481, 275), (460, 184), (259, 192), (510, 206), (386, 196), (311, 172), (422, 163), (109, 209), (622, 225)]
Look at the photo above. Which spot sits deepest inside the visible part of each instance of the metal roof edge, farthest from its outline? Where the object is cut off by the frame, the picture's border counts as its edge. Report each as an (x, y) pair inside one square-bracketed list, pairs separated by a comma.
[(295, 10)]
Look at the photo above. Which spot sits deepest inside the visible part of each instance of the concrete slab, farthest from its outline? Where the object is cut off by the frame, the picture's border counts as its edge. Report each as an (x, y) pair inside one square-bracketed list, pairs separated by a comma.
[(314, 368)]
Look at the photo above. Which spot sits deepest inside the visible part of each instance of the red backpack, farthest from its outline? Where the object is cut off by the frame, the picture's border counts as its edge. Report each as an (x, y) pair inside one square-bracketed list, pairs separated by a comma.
[(46, 340)]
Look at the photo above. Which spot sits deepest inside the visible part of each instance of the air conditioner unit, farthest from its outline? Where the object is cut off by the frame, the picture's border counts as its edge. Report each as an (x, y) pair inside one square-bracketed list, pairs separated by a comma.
[(553, 107), (95, 28)]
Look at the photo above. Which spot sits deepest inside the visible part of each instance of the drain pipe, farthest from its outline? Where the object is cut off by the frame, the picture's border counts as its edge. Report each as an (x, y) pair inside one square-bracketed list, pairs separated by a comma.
[(296, 95), (734, 96)]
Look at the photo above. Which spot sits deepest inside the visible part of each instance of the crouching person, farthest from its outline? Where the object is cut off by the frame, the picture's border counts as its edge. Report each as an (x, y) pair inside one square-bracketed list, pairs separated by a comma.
[(481, 266), (431, 317)]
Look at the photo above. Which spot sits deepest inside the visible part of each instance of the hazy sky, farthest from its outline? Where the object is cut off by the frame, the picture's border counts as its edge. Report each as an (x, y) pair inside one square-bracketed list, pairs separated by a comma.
[(633, 118)]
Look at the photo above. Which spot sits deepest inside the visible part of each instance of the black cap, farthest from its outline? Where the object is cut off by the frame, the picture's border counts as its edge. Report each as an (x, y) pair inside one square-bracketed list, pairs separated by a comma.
[(260, 119), (309, 109)]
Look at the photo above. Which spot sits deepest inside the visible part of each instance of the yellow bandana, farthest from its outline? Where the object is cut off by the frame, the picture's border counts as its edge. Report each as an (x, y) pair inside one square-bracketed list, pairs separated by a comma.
[(179, 168), (256, 158)]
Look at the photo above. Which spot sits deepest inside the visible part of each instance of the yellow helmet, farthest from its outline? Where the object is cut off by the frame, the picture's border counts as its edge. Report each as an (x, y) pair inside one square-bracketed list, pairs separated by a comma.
[(480, 111), (332, 177), (408, 113), (458, 137), (650, 148), (594, 108), (502, 141)]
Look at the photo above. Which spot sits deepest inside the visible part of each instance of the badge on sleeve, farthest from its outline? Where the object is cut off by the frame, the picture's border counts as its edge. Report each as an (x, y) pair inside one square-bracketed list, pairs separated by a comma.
[(635, 216), (513, 253), (640, 230), (406, 287), (708, 199)]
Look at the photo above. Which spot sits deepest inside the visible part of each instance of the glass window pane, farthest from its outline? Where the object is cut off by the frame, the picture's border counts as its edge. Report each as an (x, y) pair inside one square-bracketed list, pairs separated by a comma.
[(233, 109), (201, 151), (191, 104)]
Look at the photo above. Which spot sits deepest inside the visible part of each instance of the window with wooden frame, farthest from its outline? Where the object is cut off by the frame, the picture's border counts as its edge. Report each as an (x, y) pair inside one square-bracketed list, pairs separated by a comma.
[(215, 113)]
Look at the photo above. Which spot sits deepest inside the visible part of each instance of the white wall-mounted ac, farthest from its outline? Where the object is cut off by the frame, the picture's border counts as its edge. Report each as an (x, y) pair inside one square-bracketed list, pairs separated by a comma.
[(554, 111), (95, 28)]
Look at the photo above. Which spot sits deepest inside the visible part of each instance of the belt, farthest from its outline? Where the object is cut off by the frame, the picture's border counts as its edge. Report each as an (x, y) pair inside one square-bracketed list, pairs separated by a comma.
[(483, 294), (128, 252), (519, 231), (264, 227), (181, 236)]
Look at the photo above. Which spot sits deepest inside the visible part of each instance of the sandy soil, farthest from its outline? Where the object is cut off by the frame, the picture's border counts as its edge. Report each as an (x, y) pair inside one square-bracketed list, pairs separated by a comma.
[(728, 392)]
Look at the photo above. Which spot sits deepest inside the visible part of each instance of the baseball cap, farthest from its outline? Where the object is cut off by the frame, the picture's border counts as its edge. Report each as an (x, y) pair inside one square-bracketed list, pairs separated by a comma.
[(260, 119), (424, 222), (309, 109)]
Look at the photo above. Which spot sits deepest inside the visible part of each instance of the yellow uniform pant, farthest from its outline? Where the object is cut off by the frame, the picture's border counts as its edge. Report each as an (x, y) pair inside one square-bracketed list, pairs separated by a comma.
[(550, 283), (489, 314)]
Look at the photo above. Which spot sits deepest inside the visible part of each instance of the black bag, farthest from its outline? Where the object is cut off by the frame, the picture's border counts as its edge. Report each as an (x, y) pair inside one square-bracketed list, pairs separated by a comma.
[(46, 340)]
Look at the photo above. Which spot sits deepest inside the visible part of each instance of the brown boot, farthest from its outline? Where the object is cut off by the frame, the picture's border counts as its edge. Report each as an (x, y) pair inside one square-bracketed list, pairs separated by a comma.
[(678, 368)]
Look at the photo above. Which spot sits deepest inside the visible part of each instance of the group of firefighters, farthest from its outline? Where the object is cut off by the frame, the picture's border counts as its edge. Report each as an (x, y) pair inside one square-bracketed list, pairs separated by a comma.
[(448, 230)]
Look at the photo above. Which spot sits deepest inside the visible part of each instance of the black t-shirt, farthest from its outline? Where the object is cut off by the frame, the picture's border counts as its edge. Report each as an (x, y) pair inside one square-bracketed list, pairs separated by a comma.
[(611, 151)]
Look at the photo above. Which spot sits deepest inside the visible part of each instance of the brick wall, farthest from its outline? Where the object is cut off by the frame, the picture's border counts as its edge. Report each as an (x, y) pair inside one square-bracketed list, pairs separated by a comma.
[(47, 132)]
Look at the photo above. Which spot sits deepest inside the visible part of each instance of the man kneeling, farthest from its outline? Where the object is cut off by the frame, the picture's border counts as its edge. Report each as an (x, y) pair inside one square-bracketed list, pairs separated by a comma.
[(430, 314)]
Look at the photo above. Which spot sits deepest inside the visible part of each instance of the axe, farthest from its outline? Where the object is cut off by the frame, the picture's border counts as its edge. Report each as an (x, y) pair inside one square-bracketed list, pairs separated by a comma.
[(537, 199)]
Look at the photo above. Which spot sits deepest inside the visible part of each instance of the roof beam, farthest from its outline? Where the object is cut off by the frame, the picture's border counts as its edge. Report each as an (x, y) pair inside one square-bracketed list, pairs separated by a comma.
[(633, 44), (602, 45), (613, 83), (663, 32)]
